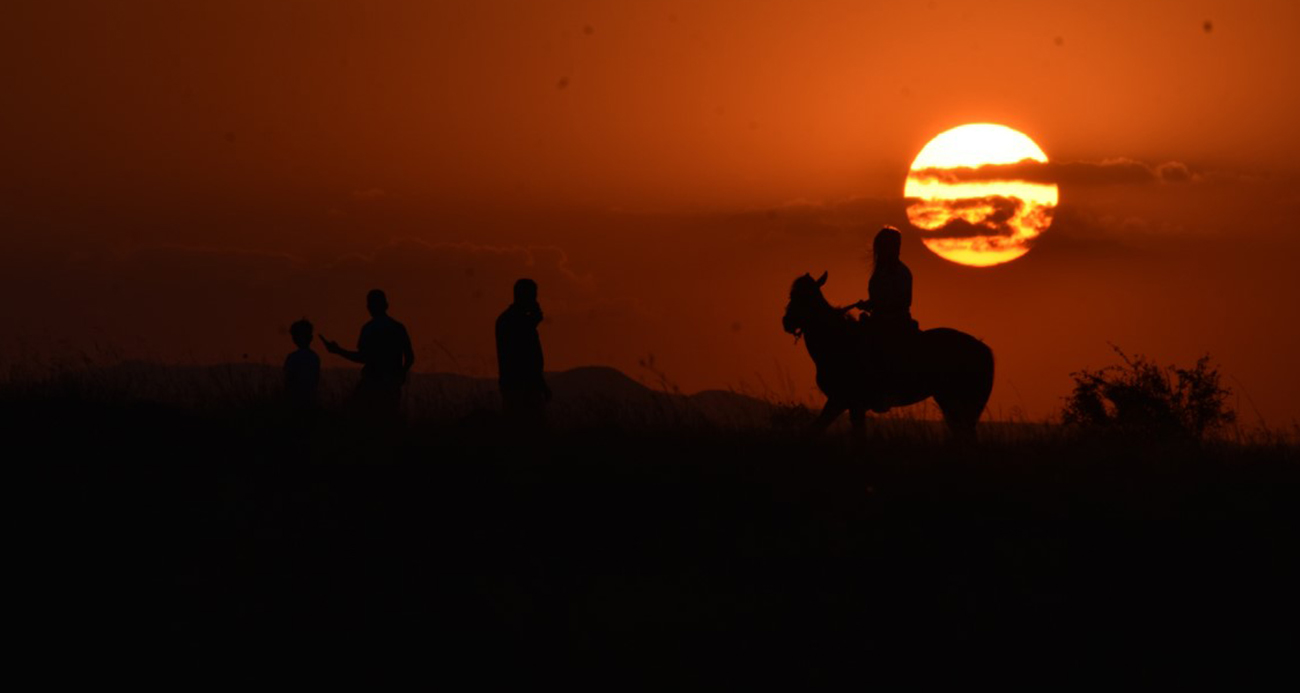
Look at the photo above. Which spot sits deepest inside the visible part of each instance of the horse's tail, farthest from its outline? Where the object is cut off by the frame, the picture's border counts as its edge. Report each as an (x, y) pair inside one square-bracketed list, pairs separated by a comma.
[(984, 380)]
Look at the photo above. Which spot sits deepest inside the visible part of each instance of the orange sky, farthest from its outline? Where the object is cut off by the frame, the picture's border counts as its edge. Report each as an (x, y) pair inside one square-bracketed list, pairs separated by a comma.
[(181, 180)]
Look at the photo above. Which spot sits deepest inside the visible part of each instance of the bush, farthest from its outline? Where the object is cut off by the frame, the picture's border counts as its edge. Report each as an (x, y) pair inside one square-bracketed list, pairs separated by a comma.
[(1139, 396)]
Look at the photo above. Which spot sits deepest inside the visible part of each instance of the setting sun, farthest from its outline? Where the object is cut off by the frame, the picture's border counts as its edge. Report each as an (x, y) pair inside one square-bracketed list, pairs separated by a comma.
[(972, 214)]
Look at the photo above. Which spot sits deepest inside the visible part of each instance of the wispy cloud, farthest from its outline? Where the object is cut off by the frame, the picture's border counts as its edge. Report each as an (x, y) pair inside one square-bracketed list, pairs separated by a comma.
[(1106, 172)]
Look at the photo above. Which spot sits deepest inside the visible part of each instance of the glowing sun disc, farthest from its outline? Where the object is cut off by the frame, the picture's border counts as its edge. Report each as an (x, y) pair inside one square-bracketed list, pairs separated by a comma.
[(975, 215)]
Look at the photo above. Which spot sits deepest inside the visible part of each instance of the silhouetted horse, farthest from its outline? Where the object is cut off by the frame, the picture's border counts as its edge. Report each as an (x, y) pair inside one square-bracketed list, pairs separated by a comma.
[(953, 367)]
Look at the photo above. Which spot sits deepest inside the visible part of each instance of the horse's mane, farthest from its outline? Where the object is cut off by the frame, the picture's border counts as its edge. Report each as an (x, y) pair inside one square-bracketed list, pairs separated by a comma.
[(805, 288)]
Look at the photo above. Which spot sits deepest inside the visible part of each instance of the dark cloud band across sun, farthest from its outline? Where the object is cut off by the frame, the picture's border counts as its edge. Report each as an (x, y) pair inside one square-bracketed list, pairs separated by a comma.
[(1107, 172), (971, 217)]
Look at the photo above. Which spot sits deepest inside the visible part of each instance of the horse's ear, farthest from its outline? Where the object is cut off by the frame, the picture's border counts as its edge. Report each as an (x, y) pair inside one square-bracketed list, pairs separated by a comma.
[(822, 279)]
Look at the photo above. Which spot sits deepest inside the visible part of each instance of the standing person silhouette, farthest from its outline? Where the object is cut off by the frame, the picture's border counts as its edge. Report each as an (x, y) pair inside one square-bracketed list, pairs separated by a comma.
[(384, 350), (524, 392), (301, 367)]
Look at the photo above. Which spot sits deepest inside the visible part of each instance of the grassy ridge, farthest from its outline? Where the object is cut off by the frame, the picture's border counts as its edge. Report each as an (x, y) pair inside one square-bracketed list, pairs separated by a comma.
[(641, 547)]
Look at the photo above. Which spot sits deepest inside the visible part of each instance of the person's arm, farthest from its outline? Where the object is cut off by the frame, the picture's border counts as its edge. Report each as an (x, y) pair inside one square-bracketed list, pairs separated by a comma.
[(532, 314), (892, 293), (334, 348), (889, 301), (534, 319), (541, 373), (408, 354)]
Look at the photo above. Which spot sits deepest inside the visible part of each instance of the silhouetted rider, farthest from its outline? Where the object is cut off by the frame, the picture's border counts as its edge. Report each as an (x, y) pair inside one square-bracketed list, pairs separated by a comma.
[(889, 291), (888, 320), (519, 353), (384, 350)]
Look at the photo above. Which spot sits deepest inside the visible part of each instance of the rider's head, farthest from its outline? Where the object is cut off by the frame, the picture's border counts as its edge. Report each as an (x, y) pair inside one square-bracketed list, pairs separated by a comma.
[(525, 291), (376, 302), (888, 244)]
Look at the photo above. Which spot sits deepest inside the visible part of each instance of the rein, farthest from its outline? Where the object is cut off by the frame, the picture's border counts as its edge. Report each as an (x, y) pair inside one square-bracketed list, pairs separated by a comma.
[(836, 312)]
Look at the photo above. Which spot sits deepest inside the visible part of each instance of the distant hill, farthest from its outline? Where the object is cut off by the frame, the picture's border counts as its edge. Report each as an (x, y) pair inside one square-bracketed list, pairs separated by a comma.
[(587, 395)]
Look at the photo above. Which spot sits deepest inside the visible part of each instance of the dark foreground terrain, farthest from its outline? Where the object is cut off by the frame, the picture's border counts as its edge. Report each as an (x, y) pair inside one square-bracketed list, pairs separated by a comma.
[(463, 550)]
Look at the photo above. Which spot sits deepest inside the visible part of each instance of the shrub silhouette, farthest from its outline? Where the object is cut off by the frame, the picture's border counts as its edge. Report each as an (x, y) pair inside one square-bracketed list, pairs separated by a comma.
[(1139, 396)]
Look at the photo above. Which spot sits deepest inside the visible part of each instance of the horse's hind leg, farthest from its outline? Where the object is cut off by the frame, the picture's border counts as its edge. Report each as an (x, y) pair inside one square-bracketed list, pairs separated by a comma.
[(963, 434), (961, 418)]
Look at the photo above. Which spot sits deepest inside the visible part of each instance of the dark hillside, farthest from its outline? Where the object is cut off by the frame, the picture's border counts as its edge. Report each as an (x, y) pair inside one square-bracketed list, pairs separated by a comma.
[(659, 552)]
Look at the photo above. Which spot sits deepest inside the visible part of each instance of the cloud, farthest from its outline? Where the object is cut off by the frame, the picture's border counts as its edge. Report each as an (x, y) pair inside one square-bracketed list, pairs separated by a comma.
[(960, 228), (997, 209), (804, 220), (1174, 172), (1106, 172), (967, 217)]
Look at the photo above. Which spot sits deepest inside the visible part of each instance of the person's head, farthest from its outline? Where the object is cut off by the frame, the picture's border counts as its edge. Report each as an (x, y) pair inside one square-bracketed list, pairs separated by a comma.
[(301, 332), (376, 302), (886, 247), (525, 291)]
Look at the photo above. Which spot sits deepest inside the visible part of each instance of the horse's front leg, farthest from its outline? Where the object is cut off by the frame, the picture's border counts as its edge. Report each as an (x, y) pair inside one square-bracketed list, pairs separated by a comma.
[(858, 417), (830, 412)]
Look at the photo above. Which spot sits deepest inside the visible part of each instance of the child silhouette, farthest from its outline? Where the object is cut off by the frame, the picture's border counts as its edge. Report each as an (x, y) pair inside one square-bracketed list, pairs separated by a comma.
[(302, 366)]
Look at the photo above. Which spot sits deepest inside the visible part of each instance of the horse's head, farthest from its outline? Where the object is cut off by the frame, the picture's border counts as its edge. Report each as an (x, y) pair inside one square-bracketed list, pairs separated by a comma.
[(806, 302)]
